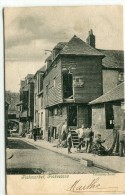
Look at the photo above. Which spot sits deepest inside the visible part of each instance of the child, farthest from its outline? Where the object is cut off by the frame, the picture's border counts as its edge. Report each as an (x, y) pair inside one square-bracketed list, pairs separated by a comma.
[(69, 142)]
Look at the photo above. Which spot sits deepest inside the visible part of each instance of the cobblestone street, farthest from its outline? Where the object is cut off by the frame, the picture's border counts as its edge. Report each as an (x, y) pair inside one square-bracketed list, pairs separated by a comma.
[(28, 159)]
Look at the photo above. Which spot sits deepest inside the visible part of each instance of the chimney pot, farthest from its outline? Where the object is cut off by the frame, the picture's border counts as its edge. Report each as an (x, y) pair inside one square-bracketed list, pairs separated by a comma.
[(91, 39)]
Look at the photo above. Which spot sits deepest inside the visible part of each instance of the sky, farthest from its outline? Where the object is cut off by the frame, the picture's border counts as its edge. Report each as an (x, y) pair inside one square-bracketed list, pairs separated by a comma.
[(28, 32)]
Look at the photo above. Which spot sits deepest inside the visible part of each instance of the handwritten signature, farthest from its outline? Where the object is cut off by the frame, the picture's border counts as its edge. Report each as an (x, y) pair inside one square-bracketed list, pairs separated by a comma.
[(92, 185)]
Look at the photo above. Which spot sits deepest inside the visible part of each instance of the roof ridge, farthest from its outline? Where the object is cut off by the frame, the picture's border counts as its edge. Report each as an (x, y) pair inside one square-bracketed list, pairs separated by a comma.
[(79, 47)]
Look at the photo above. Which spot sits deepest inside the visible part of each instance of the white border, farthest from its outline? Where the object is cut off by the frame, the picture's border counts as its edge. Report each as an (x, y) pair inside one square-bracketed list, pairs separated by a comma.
[(30, 3)]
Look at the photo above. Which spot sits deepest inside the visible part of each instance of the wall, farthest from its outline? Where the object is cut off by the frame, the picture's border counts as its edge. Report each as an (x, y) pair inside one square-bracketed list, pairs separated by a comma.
[(99, 124), (42, 123), (31, 100), (83, 115), (110, 79), (54, 94), (91, 70), (118, 113), (55, 120), (36, 100)]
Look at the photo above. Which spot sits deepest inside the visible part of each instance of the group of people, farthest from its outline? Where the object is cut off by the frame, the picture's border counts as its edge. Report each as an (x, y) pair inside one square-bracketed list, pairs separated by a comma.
[(85, 136), (37, 132)]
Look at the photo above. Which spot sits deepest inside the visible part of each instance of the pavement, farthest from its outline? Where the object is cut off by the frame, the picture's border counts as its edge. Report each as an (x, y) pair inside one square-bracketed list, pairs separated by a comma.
[(113, 163)]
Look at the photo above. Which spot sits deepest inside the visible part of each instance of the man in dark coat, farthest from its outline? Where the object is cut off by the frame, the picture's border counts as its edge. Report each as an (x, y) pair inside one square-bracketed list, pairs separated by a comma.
[(34, 133)]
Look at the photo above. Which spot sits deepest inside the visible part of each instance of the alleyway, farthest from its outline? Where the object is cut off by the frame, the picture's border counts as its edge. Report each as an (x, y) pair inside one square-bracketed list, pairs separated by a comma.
[(28, 159)]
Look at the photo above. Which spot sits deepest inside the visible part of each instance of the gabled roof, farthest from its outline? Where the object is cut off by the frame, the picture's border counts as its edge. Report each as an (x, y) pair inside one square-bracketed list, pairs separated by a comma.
[(60, 45), (78, 47), (115, 94), (113, 58)]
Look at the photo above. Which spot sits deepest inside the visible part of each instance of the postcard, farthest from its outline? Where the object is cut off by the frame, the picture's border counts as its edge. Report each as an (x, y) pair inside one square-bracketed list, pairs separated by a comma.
[(64, 100)]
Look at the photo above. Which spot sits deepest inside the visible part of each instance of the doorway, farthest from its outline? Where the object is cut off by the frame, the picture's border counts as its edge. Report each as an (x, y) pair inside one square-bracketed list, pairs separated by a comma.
[(72, 115)]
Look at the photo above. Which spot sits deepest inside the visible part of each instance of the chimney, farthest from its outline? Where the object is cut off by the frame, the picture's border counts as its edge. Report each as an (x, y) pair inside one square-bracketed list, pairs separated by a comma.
[(91, 39)]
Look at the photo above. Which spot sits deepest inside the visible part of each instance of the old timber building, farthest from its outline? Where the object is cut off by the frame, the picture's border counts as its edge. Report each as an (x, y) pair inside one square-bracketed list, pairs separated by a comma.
[(73, 79)]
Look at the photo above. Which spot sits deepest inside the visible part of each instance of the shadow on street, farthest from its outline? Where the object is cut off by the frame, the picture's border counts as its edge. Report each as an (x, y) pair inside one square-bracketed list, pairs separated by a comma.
[(19, 144), (18, 171)]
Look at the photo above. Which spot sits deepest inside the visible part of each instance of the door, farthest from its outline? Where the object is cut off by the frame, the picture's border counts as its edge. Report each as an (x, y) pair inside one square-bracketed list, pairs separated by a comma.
[(72, 115)]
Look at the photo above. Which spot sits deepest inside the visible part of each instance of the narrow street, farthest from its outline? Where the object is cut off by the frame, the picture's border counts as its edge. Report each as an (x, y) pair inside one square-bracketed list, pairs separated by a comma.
[(28, 159)]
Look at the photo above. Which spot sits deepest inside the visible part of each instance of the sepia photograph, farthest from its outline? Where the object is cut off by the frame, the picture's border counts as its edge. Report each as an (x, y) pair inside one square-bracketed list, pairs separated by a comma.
[(64, 95)]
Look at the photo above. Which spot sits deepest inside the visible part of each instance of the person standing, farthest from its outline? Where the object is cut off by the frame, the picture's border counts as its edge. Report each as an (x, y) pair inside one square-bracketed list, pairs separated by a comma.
[(34, 133), (81, 136), (64, 127), (122, 137), (88, 139), (64, 139), (51, 134), (69, 142)]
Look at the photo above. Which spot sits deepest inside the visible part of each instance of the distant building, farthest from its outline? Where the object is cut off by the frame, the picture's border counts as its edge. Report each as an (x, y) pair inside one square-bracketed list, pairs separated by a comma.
[(113, 68), (13, 113), (26, 103), (39, 111), (12, 98)]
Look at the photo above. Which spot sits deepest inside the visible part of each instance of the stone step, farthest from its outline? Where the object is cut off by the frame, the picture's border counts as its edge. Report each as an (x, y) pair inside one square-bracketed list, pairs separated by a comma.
[(86, 162)]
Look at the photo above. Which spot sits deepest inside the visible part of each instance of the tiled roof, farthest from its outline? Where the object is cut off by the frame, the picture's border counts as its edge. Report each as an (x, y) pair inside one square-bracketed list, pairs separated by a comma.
[(113, 58), (115, 94), (60, 45), (78, 47)]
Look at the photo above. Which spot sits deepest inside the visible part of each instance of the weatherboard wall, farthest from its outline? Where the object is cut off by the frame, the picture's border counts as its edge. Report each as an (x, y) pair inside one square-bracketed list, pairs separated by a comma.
[(52, 86), (91, 69)]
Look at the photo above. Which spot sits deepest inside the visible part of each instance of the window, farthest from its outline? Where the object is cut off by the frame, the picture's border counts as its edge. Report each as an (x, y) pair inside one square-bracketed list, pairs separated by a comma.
[(55, 111), (47, 94), (51, 112), (59, 111), (40, 82), (109, 116), (41, 101), (54, 82), (67, 86), (47, 90), (120, 77)]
